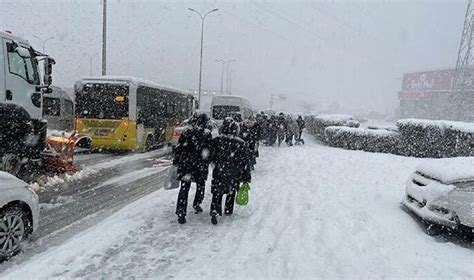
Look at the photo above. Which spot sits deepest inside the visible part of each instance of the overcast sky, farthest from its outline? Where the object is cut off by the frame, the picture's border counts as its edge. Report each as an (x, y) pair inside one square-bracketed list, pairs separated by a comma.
[(313, 52)]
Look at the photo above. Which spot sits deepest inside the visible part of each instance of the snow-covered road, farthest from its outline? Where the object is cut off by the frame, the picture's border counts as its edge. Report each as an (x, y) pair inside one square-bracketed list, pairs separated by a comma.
[(314, 212)]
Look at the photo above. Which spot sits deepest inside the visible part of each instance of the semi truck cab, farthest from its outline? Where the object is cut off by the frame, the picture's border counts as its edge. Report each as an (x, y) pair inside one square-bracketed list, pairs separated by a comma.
[(22, 130)]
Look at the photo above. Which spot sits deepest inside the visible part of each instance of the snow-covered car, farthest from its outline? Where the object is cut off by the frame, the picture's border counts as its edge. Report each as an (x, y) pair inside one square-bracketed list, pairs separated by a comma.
[(441, 192), (19, 214), (184, 125)]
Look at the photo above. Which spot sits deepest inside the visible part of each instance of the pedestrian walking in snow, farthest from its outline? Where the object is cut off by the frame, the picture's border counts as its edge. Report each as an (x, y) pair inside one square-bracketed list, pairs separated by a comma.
[(250, 134), (192, 157), (301, 125), (282, 128), (272, 130), (230, 156), (291, 130)]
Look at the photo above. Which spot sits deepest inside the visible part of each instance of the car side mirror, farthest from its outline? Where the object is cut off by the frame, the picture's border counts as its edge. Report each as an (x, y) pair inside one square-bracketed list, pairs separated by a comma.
[(48, 70), (23, 52)]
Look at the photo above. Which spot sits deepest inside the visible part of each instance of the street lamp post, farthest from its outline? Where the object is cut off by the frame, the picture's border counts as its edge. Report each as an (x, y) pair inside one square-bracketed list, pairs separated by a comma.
[(202, 43), (43, 41), (224, 62)]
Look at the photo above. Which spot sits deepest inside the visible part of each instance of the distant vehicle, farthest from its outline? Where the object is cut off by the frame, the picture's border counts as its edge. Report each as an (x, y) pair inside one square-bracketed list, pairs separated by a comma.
[(58, 110), (184, 125), (223, 106), (19, 214), (126, 113), (442, 192)]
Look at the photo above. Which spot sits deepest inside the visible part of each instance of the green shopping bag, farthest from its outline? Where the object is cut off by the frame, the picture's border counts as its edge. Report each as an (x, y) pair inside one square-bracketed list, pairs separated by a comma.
[(242, 197)]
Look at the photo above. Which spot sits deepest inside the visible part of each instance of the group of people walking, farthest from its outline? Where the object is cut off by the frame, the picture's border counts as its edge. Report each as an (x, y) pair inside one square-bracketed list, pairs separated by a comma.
[(233, 154), (281, 128)]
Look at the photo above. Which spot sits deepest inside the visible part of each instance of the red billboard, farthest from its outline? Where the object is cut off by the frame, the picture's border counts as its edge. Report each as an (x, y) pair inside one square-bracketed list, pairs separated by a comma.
[(426, 84)]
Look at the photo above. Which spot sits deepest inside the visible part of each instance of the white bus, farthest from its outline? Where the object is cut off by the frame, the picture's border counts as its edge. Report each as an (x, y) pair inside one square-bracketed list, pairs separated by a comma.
[(223, 106)]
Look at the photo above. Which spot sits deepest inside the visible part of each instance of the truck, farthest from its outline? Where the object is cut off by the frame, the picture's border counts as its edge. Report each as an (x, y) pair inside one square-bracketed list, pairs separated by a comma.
[(23, 131)]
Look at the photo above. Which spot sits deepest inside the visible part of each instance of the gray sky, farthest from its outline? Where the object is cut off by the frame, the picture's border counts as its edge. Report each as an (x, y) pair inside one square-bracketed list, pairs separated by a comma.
[(314, 52)]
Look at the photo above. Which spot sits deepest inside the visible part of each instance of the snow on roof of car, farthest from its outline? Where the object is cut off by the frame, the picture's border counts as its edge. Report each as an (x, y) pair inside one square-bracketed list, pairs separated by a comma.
[(449, 170), (134, 80), (7, 180)]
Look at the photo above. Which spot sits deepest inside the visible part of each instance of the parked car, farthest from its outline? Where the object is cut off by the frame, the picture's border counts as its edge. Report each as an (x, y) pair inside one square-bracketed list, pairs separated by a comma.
[(184, 125), (441, 192), (19, 214)]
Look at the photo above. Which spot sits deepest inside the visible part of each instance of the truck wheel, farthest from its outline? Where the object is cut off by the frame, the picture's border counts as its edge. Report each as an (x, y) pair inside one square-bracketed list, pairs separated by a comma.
[(11, 163), (14, 225)]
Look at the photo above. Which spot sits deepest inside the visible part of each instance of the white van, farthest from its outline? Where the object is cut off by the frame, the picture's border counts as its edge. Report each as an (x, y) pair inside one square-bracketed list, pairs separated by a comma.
[(223, 106)]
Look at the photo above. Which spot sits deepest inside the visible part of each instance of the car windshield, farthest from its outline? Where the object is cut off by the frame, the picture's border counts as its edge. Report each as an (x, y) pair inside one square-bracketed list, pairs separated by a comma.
[(222, 111), (237, 139)]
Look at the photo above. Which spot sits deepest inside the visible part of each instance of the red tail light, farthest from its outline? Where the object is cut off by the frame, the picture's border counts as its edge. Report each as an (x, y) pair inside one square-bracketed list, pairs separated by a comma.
[(176, 133)]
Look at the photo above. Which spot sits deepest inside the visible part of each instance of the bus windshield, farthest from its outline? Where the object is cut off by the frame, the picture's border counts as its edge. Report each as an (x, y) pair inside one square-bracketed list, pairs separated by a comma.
[(223, 111), (102, 101)]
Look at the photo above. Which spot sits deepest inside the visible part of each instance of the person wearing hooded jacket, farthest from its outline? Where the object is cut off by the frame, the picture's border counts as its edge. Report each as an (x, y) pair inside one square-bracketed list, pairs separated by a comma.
[(191, 156), (230, 156)]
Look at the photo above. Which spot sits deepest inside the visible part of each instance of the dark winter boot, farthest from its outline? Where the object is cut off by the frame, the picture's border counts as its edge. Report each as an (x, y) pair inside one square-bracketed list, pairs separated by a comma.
[(214, 218), (182, 219), (197, 209)]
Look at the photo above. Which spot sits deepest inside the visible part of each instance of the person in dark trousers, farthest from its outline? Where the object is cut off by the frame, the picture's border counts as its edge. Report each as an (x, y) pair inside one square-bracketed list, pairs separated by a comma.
[(230, 156), (282, 128), (250, 134), (272, 130), (301, 125), (192, 156)]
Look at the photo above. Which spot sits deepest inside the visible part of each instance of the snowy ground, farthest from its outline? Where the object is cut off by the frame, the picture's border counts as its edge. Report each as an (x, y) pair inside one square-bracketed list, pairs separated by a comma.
[(314, 212)]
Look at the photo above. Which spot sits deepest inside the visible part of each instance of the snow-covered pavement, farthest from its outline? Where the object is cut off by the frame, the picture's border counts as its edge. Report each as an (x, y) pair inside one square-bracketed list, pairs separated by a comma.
[(314, 212)]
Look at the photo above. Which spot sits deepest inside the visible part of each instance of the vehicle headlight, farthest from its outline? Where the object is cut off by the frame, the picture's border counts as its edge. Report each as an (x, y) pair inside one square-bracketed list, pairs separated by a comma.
[(30, 189), (465, 186)]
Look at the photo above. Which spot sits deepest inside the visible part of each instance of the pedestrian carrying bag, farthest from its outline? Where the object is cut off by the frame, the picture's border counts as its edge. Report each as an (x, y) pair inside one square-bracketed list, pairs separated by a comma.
[(172, 181), (242, 197)]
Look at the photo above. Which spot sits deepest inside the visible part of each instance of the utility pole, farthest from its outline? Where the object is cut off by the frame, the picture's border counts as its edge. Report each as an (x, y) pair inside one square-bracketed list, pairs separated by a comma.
[(104, 37), (223, 62), (43, 41), (202, 43), (462, 74), (90, 65)]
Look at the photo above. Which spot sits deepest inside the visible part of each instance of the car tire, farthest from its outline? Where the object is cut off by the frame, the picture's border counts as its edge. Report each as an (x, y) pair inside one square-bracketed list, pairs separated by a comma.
[(434, 229), (11, 163), (14, 229)]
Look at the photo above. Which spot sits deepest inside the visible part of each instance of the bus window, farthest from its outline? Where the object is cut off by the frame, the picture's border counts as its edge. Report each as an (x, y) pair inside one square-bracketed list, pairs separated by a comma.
[(68, 108), (98, 101), (51, 106)]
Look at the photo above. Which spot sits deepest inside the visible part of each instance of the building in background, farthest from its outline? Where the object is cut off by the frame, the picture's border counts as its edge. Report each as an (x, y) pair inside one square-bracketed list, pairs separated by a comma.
[(428, 95)]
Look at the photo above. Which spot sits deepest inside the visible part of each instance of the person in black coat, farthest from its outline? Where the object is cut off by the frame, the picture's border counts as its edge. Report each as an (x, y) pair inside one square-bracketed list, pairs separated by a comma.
[(301, 125), (192, 156), (230, 156)]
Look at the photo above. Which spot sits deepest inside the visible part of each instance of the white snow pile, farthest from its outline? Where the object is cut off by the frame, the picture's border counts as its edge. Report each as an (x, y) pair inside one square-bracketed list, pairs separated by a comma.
[(449, 170), (58, 133), (314, 212), (441, 124), (62, 178), (337, 130), (337, 119)]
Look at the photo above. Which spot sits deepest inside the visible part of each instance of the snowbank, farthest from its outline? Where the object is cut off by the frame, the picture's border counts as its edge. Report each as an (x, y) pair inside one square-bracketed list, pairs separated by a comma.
[(440, 124), (370, 140), (314, 212), (449, 170)]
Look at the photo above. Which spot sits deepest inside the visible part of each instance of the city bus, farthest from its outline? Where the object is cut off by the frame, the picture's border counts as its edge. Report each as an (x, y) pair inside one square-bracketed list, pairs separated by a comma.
[(223, 106), (126, 113)]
